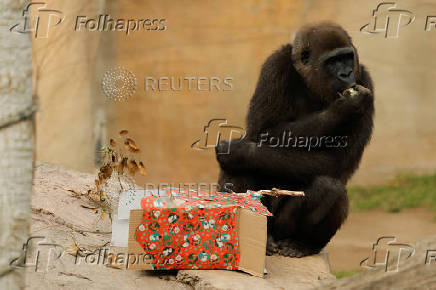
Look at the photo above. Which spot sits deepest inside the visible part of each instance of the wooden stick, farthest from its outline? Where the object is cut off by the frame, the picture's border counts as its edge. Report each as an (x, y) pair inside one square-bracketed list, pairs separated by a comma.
[(280, 192)]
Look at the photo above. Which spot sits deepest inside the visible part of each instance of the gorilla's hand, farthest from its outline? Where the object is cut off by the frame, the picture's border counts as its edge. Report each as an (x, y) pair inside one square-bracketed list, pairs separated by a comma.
[(233, 154), (356, 102)]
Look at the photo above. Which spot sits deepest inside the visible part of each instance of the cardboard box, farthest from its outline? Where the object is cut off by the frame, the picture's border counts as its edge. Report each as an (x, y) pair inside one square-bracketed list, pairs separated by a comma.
[(191, 230)]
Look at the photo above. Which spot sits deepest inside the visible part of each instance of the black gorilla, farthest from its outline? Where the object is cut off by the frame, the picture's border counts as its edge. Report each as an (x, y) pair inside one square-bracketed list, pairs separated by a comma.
[(303, 95)]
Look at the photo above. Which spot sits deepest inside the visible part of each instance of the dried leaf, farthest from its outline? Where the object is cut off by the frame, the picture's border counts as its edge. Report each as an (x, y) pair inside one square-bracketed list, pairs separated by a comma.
[(97, 185), (103, 195), (94, 196), (131, 145), (133, 167), (124, 132), (106, 170), (74, 193), (101, 177), (103, 214), (92, 209), (122, 165), (142, 168), (72, 250), (113, 143)]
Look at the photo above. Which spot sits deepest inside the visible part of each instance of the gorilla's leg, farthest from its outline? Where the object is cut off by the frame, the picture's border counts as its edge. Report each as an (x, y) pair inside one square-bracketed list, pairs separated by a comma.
[(276, 205), (234, 182), (305, 230)]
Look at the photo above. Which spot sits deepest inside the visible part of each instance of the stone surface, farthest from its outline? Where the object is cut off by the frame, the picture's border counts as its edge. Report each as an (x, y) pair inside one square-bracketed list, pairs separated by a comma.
[(283, 273), (59, 217), (416, 272)]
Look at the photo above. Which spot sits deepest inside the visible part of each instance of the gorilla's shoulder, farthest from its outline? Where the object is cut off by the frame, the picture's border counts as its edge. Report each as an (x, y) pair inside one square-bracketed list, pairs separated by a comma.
[(279, 63), (281, 54)]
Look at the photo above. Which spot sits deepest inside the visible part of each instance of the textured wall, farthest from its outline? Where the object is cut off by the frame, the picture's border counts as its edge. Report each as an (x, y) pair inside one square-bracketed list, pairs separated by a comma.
[(228, 39), (67, 75)]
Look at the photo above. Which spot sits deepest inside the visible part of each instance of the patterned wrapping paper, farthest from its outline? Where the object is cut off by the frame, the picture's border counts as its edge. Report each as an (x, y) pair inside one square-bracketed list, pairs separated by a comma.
[(194, 230)]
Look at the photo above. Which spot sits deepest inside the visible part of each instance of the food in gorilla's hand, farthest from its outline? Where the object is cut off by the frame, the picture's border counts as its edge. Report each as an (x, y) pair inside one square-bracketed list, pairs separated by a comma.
[(350, 92)]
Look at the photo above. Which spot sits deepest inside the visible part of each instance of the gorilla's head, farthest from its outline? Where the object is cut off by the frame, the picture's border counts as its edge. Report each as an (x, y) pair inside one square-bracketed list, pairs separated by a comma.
[(326, 59)]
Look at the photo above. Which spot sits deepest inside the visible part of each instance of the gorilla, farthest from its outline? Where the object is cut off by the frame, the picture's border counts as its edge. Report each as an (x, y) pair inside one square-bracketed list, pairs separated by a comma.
[(309, 120)]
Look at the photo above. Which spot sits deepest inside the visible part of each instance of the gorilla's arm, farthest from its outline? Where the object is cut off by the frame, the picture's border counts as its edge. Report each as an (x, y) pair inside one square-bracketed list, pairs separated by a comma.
[(317, 124), (247, 155)]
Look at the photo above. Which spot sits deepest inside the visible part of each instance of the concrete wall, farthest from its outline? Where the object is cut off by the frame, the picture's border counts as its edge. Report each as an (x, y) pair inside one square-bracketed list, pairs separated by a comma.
[(224, 39)]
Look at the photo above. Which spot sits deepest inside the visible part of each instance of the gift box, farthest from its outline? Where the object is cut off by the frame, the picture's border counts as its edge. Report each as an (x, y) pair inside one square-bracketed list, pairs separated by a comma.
[(186, 229)]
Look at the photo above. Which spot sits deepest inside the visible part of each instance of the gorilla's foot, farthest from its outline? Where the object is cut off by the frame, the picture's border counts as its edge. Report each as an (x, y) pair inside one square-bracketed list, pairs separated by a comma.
[(293, 249), (271, 246)]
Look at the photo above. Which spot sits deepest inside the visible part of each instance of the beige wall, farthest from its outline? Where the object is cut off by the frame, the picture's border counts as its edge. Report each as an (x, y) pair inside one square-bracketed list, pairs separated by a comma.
[(67, 74), (223, 39)]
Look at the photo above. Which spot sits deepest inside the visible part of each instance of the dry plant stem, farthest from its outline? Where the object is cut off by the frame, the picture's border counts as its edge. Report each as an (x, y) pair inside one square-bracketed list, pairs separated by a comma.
[(281, 192), (121, 185)]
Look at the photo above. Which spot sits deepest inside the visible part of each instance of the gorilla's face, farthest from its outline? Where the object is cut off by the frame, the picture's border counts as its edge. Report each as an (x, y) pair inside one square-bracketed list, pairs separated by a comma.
[(326, 60), (338, 66)]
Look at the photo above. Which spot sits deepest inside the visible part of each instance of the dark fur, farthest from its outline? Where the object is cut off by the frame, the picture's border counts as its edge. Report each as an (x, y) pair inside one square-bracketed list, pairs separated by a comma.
[(294, 97)]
